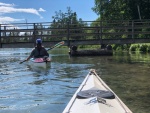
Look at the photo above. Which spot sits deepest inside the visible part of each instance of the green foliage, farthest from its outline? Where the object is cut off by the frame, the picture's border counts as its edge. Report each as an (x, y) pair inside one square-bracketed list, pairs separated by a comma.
[(64, 20), (89, 46), (122, 9), (140, 47), (143, 48), (148, 48), (133, 47), (118, 47)]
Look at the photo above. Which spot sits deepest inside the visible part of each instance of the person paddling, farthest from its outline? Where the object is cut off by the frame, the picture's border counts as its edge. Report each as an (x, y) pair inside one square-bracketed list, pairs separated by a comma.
[(39, 51)]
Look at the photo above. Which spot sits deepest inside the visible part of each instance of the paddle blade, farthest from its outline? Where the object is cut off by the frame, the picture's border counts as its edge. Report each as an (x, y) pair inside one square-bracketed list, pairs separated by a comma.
[(57, 45)]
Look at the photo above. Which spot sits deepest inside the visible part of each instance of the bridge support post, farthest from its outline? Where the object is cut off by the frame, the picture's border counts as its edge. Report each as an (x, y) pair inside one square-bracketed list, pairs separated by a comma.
[(100, 36), (133, 30), (68, 34), (100, 33), (0, 38), (34, 35)]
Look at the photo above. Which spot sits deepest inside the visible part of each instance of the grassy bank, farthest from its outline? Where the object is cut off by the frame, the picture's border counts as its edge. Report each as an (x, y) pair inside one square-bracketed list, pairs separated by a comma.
[(124, 47)]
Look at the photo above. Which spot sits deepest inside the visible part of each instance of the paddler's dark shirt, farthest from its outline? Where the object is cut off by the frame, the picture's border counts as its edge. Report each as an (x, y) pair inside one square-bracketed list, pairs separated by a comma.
[(39, 53)]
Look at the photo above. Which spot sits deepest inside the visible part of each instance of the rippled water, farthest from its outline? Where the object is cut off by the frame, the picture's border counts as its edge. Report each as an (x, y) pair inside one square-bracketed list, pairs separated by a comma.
[(24, 89)]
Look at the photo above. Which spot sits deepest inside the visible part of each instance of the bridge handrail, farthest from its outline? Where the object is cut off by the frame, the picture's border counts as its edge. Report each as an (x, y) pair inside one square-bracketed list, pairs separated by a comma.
[(48, 31)]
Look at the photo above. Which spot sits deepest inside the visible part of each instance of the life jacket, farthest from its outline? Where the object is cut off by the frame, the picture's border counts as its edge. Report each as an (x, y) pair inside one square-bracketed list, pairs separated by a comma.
[(39, 52)]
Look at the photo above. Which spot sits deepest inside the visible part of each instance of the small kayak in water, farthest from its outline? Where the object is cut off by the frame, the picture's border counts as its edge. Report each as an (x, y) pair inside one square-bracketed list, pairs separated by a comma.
[(40, 62), (94, 96)]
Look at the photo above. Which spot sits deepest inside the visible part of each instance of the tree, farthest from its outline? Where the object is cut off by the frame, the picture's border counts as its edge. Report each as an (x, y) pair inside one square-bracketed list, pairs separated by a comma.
[(122, 9), (65, 20)]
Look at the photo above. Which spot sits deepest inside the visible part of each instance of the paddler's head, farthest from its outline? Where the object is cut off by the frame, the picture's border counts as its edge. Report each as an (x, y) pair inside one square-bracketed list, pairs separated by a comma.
[(38, 42)]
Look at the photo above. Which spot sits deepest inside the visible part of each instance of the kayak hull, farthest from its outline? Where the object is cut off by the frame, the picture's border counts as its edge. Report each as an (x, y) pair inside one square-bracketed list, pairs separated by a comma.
[(95, 102), (39, 62)]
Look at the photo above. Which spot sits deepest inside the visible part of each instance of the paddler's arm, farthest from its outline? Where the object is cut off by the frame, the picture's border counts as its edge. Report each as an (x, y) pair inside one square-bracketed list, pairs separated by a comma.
[(30, 56), (27, 58)]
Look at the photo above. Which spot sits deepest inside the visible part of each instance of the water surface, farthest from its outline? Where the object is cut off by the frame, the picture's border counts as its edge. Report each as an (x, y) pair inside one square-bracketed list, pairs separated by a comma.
[(24, 89)]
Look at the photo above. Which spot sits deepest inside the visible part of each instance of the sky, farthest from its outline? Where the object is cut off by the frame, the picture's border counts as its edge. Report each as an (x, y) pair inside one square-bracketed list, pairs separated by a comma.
[(34, 11)]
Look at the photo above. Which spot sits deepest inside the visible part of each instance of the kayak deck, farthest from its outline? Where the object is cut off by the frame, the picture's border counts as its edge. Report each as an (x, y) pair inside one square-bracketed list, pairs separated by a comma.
[(39, 62), (94, 96)]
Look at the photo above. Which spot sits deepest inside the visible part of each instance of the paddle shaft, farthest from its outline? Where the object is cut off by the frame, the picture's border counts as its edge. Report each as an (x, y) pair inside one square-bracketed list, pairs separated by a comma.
[(56, 45), (22, 61)]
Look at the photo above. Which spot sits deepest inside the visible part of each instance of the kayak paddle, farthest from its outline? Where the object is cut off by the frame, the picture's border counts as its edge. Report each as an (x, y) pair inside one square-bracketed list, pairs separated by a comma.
[(56, 45), (22, 61)]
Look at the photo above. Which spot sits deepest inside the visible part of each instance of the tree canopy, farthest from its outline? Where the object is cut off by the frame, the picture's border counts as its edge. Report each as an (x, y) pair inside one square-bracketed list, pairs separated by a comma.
[(122, 9)]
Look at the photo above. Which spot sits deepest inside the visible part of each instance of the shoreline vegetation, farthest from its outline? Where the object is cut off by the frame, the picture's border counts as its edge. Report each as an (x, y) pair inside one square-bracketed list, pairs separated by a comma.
[(145, 48)]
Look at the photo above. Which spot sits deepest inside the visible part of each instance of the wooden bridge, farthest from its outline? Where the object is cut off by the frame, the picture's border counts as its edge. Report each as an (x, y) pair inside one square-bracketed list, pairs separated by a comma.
[(23, 35)]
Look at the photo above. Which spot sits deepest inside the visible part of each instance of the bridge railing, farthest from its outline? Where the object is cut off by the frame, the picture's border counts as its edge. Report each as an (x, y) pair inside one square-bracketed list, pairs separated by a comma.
[(86, 30)]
